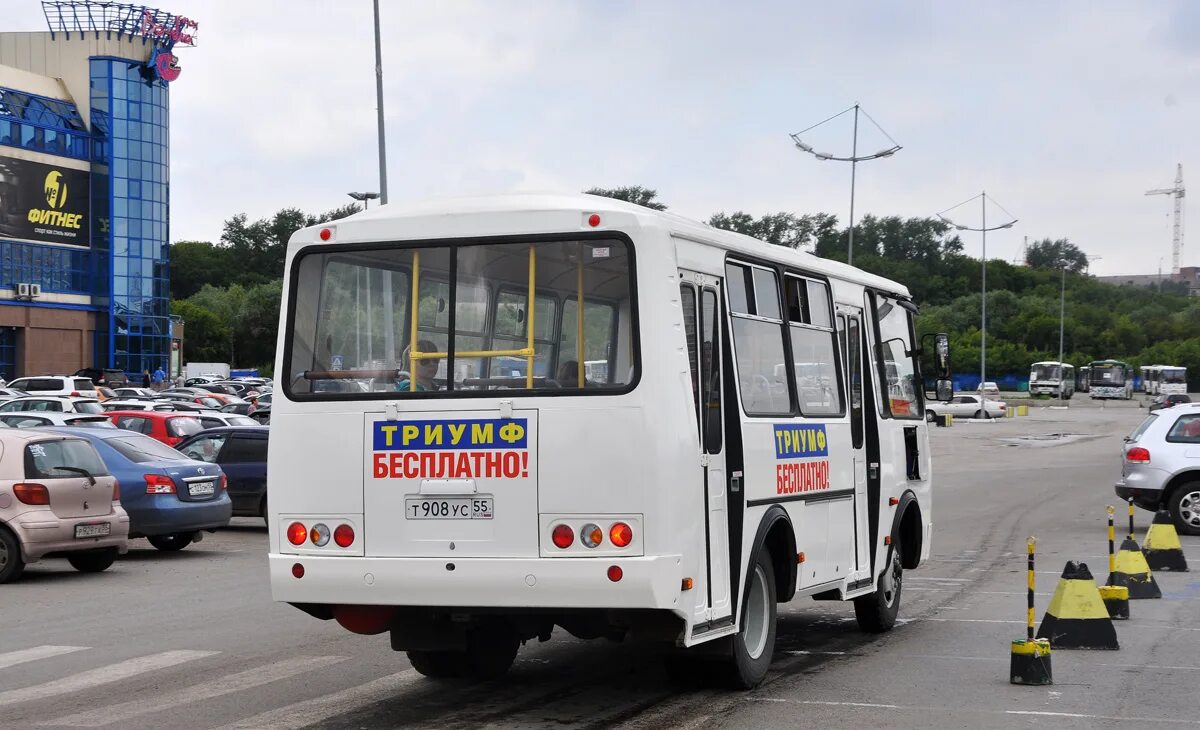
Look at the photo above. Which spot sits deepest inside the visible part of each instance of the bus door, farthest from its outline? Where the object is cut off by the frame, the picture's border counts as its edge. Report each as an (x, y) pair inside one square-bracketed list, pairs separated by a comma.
[(700, 296), (850, 335)]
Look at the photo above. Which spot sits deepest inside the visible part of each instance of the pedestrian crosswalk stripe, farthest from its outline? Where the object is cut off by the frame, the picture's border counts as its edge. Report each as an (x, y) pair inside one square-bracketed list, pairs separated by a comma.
[(309, 712), (33, 654), (206, 690), (102, 675)]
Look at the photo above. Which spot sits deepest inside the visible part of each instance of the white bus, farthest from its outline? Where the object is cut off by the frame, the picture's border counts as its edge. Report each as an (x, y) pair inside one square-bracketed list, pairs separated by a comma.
[(1045, 378), (675, 495), (1171, 380), (1150, 375)]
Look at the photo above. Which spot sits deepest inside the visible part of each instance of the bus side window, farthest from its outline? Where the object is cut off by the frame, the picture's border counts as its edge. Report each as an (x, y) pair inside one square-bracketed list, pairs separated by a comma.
[(687, 299), (758, 340), (813, 340)]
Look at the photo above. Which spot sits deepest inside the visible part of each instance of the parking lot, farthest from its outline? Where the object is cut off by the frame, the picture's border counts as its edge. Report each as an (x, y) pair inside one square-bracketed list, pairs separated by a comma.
[(192, 639)]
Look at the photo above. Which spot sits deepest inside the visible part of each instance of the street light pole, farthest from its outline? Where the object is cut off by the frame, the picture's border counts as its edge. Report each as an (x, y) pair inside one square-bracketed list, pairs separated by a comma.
[(983, 229), (379, 108), (853, 159), (1062, 318), (853, 173)]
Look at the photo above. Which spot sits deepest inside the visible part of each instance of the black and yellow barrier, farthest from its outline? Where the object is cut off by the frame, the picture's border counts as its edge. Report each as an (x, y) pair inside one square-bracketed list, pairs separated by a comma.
[(1030, 663), (1131, 569), (1077, 617), (1116, 598), (1162, 548)]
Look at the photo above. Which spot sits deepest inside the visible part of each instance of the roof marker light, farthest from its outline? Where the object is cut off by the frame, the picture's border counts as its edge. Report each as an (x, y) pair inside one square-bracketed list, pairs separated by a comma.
[(593, 220), (326, 234)]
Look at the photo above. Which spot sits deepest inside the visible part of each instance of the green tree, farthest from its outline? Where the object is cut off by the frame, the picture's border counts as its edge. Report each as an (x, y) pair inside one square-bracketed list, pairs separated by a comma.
[(635, 194), (1054, 254), (206, 335)]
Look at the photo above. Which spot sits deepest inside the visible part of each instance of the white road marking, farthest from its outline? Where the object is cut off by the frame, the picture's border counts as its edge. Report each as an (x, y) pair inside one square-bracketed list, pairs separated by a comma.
[(1139, 625), (818, 653), (852, 704), (1081, 716), (310, 712), (102, 675), (206, 690), (33, 654)]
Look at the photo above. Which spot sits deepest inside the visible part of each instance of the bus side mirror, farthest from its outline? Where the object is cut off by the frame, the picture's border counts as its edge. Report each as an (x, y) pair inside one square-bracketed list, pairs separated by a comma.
[(939, 354)]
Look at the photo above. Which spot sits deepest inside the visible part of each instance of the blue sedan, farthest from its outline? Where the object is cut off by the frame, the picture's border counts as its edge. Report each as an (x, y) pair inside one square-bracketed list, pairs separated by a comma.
[(169, 497)]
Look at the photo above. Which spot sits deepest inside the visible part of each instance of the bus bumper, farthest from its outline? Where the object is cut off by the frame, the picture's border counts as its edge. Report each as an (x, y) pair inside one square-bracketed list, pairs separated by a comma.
[(645, 582)]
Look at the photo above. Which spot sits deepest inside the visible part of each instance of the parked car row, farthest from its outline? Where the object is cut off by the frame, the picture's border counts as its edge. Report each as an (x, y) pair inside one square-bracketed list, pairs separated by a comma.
[(79, 482)]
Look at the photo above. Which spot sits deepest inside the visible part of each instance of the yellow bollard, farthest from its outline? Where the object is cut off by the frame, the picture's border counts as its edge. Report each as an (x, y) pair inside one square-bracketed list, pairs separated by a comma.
[(1030, 662), (1022, 410), (1010, 413)]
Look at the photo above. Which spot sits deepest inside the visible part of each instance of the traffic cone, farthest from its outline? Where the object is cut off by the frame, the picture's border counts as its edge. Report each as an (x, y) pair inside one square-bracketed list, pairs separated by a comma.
[(1162, 548), (1076, 617), (1133, 572)]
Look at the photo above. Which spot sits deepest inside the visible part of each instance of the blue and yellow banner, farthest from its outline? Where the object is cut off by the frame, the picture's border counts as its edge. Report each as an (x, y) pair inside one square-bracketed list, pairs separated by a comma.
[(800, 441), (474, 433)]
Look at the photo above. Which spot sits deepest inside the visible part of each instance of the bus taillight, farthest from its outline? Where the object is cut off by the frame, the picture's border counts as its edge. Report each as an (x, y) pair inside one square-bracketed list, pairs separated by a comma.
[(620, 534), (344, 535), (562, 536), (591, 535), (297, 533)]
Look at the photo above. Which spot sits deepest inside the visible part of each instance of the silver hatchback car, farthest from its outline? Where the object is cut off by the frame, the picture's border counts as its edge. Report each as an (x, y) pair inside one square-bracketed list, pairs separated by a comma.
[(1160, 465), (57, 499)]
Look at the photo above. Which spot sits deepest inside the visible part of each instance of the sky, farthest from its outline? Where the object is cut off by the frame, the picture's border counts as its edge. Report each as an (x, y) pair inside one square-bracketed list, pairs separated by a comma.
[(1064, 112)]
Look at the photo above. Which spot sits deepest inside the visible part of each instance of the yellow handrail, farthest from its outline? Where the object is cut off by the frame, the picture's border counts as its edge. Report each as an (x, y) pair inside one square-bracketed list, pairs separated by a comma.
[(531, 307), (579, 315), (523, 352), (412, 339)]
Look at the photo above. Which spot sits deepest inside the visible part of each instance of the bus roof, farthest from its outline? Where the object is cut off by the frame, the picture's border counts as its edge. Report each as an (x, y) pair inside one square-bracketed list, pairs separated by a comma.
[(537, 213), (1052, 362), (1109, 362)]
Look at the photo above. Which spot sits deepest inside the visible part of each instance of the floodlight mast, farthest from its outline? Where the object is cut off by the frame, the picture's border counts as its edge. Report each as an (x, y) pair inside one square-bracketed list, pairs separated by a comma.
[(983, 229), (853, 159)]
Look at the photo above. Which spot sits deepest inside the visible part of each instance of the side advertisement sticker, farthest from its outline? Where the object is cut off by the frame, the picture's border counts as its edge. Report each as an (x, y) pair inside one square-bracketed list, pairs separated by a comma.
[(451, 449), (798, 451)]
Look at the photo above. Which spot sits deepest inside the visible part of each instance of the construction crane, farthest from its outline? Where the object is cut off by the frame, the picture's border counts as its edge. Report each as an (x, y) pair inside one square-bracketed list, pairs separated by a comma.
[(1177, 236)]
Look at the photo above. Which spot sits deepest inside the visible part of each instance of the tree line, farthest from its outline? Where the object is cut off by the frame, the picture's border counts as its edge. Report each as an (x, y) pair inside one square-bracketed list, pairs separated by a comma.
[(228, 292)]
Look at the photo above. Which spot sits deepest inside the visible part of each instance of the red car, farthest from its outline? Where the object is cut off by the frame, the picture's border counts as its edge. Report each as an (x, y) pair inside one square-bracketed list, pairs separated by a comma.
[(170, 427)]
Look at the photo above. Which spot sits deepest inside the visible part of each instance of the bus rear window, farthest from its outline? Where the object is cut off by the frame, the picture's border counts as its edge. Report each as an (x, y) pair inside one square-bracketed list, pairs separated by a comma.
[(456, 318)]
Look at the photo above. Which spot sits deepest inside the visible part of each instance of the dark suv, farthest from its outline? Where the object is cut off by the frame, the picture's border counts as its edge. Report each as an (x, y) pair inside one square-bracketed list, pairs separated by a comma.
[(108, 377)]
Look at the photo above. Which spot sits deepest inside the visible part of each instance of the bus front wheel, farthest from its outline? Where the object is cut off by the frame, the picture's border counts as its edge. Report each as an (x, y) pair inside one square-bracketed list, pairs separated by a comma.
[(877, 612)]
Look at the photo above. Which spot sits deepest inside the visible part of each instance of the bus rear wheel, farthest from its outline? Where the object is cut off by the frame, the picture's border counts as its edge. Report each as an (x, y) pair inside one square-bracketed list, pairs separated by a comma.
[(754, 644), (491, 648), (877, 612)]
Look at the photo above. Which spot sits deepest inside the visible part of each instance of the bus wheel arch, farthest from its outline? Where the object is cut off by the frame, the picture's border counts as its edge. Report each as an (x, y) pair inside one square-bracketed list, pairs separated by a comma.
[(906, 529), (778, 538)]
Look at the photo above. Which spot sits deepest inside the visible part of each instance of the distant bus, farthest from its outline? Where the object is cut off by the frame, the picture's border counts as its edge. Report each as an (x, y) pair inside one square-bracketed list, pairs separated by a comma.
[(1047, 378), (1110, 379), (1150, 376), (1171, 380), (1082, 380)]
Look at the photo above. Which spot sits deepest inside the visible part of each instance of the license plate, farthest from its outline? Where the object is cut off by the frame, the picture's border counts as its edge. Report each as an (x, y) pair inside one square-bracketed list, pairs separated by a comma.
[(200, 489), (448, 508), (99, 530)]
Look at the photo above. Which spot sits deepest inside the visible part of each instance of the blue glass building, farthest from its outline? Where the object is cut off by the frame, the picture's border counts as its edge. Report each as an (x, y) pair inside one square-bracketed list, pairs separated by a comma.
[(85, 192)]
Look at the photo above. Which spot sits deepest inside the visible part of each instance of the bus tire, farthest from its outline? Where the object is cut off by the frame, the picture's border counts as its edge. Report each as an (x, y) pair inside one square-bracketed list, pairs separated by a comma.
[(876, 613), (437, 664), (491, 648), (753, 646)]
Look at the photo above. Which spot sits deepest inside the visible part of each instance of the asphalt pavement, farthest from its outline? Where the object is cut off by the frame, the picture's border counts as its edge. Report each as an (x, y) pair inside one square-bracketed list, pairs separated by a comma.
[(192, 639)]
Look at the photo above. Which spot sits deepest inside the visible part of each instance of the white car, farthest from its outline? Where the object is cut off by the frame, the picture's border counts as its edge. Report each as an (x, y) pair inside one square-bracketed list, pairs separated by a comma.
[(40, 419), (130, 392), (964, 406), (137, 405), (55, 385), (215, 419), (53, 403), (988, 389)]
